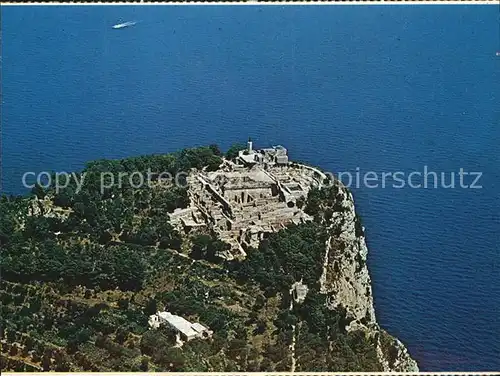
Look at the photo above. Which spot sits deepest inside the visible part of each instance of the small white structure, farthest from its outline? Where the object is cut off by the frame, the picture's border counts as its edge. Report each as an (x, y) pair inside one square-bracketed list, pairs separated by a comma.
[(248, 156), (299, 292), (274, 156), (187, 330)]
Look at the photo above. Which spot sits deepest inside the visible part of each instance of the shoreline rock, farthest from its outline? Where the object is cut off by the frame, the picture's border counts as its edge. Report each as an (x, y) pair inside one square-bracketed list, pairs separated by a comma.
[(347, 281)]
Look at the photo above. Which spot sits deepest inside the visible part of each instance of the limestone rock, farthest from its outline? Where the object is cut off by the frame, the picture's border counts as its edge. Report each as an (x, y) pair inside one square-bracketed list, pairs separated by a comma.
[(347, 282)]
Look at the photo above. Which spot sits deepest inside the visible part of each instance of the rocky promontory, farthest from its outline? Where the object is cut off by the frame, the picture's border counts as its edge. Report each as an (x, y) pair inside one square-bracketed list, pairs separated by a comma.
[(248, 262), (347, 282)]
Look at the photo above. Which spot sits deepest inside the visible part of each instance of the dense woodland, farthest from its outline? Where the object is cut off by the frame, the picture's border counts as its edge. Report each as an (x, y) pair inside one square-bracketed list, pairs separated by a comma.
[(82, 271)]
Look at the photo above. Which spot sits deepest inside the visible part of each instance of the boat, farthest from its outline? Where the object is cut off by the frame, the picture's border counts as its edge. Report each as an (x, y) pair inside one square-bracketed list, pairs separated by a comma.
[(124, 24), (498, 53)]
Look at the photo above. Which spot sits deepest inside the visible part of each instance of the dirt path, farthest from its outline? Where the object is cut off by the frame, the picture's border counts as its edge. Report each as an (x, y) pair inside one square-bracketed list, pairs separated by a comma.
[(322, 279)]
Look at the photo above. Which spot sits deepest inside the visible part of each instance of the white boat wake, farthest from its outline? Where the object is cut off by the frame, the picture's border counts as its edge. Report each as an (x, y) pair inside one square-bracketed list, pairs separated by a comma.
[(124, 24)]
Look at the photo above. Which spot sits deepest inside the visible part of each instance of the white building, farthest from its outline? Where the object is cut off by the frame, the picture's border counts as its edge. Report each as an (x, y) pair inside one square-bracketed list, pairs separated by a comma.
[(277, 155), (187, 330)]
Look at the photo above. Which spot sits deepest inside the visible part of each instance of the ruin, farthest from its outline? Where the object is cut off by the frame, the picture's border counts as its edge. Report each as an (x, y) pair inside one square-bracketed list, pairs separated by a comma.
[(257, 193)]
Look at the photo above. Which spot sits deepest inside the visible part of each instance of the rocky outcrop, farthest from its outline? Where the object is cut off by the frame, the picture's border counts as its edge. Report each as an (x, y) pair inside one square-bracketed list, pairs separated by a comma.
[(347, 282), (392, 354)]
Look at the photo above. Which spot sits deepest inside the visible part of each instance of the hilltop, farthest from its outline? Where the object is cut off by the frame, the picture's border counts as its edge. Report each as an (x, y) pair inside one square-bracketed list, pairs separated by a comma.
[(267, 255)]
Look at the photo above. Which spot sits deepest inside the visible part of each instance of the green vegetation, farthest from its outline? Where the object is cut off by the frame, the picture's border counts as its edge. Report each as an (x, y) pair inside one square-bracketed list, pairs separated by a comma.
[(82, 271), (285, 257), (234, 149)]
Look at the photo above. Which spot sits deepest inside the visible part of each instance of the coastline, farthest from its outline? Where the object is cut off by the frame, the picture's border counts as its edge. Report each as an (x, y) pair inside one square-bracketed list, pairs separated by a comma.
[(347, 280), (339, 274)]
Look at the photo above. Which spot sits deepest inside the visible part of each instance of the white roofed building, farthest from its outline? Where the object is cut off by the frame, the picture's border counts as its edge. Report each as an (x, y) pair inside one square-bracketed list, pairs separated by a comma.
[(186, 329)]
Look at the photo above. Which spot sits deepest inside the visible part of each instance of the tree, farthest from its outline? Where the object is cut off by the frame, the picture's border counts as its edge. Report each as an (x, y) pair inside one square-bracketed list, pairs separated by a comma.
[(172, 358), (77, 339), (144, 364), (127, 268), (64, 198), (151, 307), (215, 149), (200, 246), (13, 350), (121, 335), (261, 327), (11, 336), (153, 340), (234, 150), (301, 202), (208, 248), (123, 303), (46, 362), (38, 191), (216, 248)]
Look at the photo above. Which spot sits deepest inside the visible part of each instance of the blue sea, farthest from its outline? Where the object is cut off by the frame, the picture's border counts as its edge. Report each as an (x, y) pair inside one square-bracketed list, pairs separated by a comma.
[(376, 88)]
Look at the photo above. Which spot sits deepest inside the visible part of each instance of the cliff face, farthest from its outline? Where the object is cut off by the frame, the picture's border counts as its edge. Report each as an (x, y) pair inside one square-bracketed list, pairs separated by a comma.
[(347, 281)]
